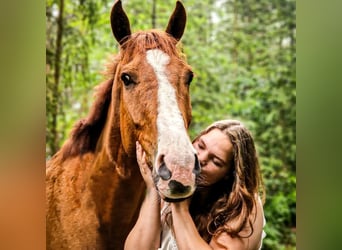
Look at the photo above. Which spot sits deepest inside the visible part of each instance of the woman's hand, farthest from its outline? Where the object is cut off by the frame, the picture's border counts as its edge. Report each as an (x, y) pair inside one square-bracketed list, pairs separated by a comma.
[(145, 170), (182, 206)]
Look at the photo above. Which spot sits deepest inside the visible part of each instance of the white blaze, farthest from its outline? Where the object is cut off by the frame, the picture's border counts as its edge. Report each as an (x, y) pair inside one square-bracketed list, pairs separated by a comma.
[(172, 136)]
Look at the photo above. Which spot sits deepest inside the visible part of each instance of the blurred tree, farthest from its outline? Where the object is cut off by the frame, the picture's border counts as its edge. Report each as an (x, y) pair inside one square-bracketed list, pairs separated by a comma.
[(72, 61)]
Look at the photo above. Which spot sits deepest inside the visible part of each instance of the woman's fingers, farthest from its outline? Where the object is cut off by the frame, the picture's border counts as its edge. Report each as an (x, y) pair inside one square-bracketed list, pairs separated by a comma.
[(140, 154), (143, 164), (141, 158), (138, 146)]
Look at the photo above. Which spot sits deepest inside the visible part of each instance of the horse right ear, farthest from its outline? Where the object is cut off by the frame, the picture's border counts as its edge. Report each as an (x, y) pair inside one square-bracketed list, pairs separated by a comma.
[(119, 22), (177, 22)]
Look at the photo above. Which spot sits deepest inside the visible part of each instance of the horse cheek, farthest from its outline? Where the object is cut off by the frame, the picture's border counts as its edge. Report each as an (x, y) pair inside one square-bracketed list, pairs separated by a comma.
[(127, 132)]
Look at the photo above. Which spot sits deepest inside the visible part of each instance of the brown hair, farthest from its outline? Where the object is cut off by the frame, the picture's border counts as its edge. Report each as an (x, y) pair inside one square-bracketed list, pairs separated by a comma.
[(229, 204)]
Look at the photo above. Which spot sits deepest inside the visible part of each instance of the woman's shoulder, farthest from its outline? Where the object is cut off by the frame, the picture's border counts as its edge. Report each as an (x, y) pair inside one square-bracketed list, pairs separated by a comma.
[(250, 239)]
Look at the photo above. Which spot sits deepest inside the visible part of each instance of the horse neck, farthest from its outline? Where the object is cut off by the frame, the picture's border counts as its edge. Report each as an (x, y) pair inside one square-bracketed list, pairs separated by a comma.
[(117, 184)]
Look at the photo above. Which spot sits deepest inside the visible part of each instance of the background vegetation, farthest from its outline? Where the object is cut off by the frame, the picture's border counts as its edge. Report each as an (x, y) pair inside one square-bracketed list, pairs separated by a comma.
[(243, 53)]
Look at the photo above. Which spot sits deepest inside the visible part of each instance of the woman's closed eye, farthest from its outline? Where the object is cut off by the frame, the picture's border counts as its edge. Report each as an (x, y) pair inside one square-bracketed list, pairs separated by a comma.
[(218, 162), (201, 145)]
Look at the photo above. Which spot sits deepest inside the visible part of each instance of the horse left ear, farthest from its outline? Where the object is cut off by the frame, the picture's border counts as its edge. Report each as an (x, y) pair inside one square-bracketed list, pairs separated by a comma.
[(120, 23), (177, 22)]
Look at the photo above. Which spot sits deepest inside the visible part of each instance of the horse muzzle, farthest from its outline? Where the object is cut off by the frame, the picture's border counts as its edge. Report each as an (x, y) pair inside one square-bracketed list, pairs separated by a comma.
[(175, 179)]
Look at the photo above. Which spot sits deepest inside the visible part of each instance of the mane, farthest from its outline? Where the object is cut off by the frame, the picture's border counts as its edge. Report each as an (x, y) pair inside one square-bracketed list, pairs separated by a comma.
[(86, 132)]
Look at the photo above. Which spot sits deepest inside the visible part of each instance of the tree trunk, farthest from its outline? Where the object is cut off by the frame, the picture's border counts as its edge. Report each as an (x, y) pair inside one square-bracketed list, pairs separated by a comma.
[(54, 144), (154, 15)]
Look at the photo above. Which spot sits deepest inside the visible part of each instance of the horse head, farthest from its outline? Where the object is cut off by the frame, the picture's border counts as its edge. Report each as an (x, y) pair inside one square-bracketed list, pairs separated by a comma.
[(152, 85)]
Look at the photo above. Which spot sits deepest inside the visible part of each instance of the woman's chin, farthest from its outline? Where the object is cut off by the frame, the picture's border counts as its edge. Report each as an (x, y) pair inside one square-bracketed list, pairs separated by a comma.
[(201, 185)]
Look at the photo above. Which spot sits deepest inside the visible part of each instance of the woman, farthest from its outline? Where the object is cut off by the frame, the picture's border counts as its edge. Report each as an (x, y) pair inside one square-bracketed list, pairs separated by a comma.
[(225, 211)]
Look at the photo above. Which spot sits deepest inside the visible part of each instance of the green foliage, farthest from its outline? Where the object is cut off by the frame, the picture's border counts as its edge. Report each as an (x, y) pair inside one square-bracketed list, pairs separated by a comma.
[(243, 54)]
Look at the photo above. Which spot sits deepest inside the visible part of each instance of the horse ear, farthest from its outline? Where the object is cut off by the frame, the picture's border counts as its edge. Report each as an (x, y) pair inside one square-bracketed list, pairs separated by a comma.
[(177, 22), (119, 22)]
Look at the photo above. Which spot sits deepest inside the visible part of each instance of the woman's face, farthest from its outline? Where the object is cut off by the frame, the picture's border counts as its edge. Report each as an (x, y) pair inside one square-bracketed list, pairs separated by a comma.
[(214, 151)]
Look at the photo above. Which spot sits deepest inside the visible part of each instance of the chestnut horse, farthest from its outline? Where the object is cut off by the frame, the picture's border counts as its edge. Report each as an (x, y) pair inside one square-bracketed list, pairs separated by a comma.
[(93, 184)]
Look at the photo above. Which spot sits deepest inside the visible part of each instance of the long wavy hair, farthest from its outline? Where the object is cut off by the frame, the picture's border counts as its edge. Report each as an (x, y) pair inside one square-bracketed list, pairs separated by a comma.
[(229, 204)]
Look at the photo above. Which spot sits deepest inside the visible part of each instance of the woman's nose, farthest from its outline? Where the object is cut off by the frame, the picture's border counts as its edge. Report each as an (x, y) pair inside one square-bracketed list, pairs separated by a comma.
[(203, 157), (203, 164)]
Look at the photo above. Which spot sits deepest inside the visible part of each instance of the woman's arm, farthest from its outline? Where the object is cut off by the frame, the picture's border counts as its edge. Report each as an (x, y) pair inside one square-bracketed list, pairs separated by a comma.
[(146, 232), (187, 236)]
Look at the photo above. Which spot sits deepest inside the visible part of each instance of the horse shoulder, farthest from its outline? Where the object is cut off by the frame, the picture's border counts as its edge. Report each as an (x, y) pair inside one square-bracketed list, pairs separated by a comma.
[(70, 207)]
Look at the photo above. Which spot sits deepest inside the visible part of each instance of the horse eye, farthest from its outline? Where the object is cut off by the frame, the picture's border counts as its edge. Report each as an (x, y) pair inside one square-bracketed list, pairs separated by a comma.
[(127, 79), (190, 77)]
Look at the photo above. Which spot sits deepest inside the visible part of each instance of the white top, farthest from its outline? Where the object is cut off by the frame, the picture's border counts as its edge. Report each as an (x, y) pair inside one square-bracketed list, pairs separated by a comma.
[(168, 241)]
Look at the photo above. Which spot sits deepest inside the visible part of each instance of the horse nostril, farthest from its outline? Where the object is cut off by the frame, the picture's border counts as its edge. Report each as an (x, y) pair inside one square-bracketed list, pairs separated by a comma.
[(178, 188), (164, 172), (197, 168)]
